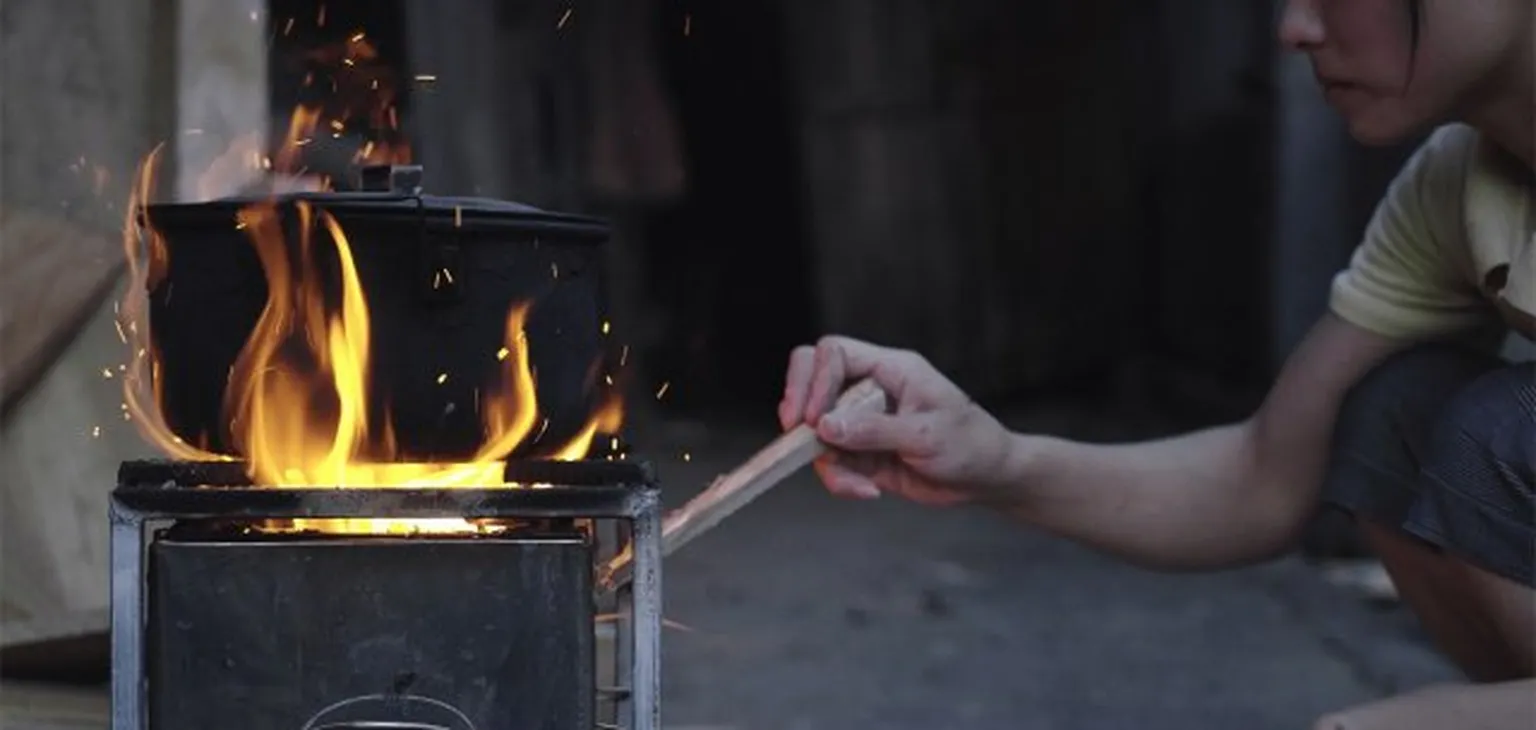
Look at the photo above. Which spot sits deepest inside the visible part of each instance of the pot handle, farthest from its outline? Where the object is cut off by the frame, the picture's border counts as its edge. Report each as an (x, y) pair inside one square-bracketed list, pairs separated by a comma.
[(402, 180), (384, 706), (379, 725)]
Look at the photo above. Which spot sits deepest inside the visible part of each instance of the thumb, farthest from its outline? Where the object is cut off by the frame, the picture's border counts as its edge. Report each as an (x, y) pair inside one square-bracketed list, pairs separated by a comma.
[(910, 434)]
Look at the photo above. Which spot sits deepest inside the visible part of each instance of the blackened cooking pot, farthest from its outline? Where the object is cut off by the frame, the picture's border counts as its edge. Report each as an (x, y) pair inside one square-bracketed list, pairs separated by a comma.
[(440, 276)]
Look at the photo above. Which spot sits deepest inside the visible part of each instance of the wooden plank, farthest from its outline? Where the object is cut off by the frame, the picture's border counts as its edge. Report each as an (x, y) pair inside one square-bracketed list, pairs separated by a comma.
[(792, 451), (50, 628), (1215, 187), (33, 706), (502, 118), (55, 274), (61, 450), (939, 234), (1000, 198), (852, 54), (865, 56)]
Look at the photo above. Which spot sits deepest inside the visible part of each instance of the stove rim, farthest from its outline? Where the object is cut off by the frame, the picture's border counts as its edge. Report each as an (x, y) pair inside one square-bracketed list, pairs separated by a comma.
[(582, 473), (161, 489)]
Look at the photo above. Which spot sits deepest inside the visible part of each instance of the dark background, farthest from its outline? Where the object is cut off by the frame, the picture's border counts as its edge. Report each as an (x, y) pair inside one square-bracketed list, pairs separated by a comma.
[(1044, 198)]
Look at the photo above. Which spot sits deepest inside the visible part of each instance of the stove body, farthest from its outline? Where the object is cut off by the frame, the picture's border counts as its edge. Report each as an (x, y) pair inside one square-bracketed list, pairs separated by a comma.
[(219, 625), (262, 626)]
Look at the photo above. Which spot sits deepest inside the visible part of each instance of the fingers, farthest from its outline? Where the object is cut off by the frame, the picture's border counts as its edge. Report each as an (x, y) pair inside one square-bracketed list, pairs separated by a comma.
[(827, 383), (797, 386), (839, 360), (818, 376), (913, 435), (843, 480)]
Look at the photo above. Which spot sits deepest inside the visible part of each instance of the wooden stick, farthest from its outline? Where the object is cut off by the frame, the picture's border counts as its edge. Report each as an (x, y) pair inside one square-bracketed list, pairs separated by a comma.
[(766, 469)]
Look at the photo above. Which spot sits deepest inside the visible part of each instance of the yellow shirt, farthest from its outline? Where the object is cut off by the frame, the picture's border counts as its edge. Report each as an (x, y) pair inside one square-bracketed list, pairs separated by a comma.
[(1451, 248)]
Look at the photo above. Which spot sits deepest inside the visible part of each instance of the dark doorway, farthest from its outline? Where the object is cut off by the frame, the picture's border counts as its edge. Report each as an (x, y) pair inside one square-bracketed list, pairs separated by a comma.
[(729, 265)]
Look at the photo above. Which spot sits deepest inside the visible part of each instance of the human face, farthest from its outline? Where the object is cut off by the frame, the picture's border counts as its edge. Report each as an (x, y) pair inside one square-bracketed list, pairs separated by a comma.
[(1363, 55)]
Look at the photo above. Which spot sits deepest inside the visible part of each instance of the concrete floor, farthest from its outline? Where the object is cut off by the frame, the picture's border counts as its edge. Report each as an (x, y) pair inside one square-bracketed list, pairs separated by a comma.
[(805, 612), (808, 612)]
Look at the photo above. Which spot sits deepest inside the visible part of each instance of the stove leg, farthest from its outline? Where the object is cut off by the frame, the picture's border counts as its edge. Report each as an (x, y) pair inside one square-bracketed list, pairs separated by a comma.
[(127, 586), (624, 659), (645, 667)]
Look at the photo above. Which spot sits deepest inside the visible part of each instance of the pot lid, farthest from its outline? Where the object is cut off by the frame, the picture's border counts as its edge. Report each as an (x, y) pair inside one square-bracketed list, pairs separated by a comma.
[(394, 192)]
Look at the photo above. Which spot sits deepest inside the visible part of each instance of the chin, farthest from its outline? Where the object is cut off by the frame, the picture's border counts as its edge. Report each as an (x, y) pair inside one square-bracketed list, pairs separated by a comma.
[(1382, 131), (1384, 122)]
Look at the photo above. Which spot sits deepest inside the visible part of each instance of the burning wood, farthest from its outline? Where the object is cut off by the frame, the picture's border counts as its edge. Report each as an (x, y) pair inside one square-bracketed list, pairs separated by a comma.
[(57, 273)]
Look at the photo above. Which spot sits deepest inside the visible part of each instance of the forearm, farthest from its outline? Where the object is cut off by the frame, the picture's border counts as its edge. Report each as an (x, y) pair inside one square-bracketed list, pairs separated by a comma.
[(1192, 502)]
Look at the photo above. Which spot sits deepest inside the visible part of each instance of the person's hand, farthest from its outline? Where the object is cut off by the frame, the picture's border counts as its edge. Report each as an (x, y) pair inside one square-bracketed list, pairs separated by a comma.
[(935, 447)]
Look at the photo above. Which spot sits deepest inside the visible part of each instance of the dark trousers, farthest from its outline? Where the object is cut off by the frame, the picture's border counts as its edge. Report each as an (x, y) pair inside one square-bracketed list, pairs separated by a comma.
[(1441, 442)]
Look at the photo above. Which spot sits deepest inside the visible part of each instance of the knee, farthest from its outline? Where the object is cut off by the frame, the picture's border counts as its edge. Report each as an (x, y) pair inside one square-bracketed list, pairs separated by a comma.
[(1496, 410), (1483, 442), (1412, 563), (1395, 404)]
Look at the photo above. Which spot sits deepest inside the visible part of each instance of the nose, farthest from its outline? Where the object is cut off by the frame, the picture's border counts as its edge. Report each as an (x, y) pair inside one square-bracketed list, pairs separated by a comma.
[(1301, 26)]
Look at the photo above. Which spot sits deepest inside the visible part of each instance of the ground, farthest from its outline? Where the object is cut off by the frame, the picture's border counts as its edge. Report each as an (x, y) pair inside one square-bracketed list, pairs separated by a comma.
[(804, 612), (807, 612)]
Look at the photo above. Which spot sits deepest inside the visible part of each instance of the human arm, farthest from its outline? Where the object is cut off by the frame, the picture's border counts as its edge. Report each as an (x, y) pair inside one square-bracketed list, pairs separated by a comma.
[(1210, 499), (1215, 498)]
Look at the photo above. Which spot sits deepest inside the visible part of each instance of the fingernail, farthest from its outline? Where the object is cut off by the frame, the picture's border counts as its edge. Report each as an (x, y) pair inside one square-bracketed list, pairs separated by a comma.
[(855, 489), (833, 428)]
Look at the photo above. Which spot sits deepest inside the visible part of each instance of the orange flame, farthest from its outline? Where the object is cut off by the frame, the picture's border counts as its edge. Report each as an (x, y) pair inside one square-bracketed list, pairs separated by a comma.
[(296, 396), (147, 256)]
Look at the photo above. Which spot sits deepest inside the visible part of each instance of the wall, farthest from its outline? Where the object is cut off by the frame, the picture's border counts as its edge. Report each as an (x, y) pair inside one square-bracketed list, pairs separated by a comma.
[(87, 92), (501, 118), (90, 88), (1211, 186), (972, 173), (84, 82), (221, 91), (1313, 235)]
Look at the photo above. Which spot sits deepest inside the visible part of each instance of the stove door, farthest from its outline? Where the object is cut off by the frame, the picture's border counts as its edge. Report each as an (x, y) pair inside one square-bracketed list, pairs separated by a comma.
[(457, 634)]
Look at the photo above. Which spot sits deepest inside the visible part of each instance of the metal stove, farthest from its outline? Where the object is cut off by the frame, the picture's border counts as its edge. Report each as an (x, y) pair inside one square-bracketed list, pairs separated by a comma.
[(218, 625)]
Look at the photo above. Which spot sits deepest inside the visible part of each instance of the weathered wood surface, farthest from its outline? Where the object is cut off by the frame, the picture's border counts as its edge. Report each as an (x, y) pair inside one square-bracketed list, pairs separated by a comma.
[(88, 91), (1213, 186), (505, 115), (221, 93), (55, 275), (30, 706), (61, 446), (973, 176)]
